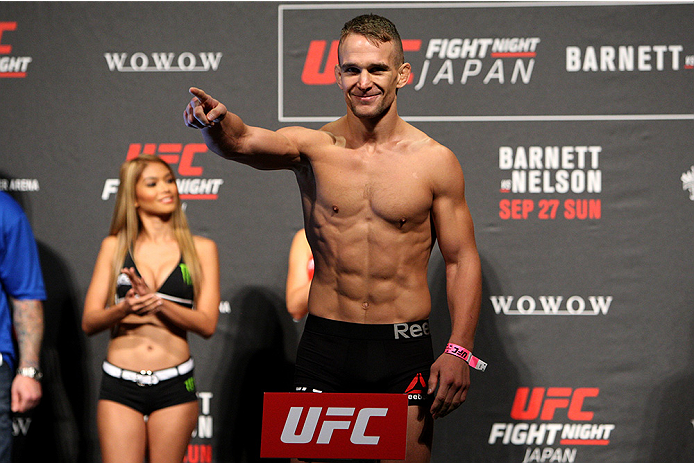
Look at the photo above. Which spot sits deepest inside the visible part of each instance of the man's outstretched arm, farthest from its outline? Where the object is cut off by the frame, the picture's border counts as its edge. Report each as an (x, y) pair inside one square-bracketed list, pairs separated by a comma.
[(228, 136)]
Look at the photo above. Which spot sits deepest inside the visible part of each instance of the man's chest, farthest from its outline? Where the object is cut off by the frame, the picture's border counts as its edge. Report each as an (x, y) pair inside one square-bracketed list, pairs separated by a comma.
[(390, 187)]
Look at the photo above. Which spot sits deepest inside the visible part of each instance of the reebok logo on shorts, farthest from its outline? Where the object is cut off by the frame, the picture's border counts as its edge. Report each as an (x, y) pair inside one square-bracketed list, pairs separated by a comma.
[(411, 330), (415, 391)]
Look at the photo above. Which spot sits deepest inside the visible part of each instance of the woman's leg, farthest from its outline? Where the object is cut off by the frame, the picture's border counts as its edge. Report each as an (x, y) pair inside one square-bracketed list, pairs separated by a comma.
[(169, 430), (122, 433)]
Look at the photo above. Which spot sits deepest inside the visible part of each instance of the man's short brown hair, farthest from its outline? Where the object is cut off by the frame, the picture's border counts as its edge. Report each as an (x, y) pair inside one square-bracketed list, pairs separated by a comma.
[(377, 30)]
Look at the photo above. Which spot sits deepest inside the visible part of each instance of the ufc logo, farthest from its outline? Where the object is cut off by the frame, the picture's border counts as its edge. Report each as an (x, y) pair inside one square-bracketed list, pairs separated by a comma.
[(544, 403), (358, 436), (327, 426), (171, 153)]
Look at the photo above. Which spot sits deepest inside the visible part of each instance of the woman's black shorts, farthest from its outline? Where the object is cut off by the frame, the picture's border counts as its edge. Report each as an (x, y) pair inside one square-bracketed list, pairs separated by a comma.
[(148, 399)]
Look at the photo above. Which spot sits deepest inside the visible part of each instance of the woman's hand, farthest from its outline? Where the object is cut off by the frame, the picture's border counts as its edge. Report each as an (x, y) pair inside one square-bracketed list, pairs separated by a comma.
[(140, 299)]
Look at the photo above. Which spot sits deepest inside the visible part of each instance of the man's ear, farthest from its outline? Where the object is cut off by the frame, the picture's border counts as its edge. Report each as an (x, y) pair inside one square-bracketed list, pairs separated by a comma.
[(404, 74), (338, 76)]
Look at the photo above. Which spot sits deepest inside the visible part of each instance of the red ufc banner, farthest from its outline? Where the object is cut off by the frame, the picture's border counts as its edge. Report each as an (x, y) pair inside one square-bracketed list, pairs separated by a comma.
[(339, 426)]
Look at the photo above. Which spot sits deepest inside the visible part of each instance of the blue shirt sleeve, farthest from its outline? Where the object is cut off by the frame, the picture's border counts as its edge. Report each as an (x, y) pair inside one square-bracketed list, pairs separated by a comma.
[(20, 269)]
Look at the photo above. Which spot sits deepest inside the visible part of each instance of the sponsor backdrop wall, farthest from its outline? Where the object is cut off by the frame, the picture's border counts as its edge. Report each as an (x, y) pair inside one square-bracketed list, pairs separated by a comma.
[(573, 124)]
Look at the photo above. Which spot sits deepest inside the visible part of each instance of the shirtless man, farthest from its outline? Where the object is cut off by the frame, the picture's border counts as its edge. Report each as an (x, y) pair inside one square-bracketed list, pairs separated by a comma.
[(376, 194)]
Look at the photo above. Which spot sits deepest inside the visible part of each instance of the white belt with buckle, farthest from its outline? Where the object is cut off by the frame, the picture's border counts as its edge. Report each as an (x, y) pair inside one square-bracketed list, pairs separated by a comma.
[(148, 377)]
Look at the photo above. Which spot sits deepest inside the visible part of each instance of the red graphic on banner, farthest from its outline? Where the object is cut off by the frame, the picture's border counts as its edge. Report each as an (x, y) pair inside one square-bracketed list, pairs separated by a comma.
[(183, 155), (529, 54), (550, 400), (11, 66), (544, 403), (549, 209), (171, 153), (198, 453), (6, 26), (307, 425)]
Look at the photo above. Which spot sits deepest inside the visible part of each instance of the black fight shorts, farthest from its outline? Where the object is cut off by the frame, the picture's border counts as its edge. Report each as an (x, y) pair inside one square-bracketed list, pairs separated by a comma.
[(336, 356), (148, 399)]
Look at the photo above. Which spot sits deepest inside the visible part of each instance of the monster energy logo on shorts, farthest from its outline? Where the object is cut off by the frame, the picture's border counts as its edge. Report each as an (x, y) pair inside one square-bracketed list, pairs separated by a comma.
[(190, 384), (186, 274)]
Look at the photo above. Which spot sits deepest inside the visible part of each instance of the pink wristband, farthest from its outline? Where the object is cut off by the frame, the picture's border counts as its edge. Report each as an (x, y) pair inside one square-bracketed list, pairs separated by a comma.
[(463, 353)]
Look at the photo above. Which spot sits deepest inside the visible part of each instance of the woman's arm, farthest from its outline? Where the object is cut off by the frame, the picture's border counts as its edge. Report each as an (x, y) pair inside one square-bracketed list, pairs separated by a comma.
[(298, 281), (98, 314)]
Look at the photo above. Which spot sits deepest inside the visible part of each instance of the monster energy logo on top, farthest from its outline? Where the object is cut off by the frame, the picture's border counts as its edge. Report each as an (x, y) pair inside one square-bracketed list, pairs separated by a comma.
[(186, 274)]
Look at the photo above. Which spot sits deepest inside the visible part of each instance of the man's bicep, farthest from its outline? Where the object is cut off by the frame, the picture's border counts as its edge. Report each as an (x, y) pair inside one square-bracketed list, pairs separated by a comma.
[(454, 228), (451, 214), (266, 149), (281, 149)]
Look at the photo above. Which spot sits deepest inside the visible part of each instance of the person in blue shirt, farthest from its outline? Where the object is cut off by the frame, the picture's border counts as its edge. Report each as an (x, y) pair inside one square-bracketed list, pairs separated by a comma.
[(21, 314)]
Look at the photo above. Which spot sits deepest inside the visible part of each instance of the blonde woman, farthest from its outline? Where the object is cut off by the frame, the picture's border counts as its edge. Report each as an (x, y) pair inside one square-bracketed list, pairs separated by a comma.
[(153, 282)]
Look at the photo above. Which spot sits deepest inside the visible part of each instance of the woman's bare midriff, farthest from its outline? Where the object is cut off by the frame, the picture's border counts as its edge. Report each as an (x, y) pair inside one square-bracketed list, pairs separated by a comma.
[(147, 346)]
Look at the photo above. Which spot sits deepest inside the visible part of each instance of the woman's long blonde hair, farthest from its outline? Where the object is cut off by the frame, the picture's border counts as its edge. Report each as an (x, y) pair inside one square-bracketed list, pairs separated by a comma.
[(126, 225)]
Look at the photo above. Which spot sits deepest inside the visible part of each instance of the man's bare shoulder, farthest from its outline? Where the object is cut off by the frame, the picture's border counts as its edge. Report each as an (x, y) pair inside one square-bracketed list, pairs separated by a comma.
[(420, 142), (440, 164), (338, 131)]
